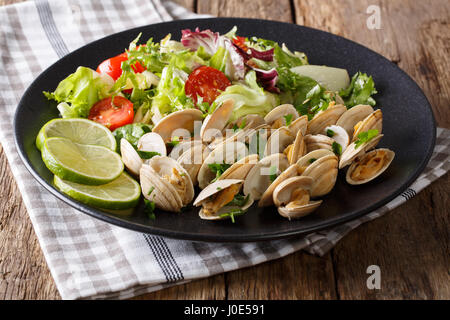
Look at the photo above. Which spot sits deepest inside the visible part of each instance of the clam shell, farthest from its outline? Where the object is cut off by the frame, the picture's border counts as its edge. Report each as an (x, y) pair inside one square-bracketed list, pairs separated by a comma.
[(325, 118), (372, 121), (387, 161), (152, 142), (298, 149), (240, 169), (179, 123), (182, 147), (164, 166), (315, 154), (282, 193), (258, 179), (130, 157), (351, 153), (352, 116), (278, 141), (192, 159), (340, 135), (279, 113), (251, 121), (214, 123), (299, 212), (228, 152), (225, 209), (299, 124), (318, 141), (267, 199), (161, 194), (324, 173)]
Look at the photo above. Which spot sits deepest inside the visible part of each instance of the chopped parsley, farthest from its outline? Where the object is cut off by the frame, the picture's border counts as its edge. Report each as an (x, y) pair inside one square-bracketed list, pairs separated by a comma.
[(288, 118), (366, 136), (218, 168), (175, 140), (311, 160), (232, 214), (149, 209), (273, 174), (337, 148), (151, 190), (147, 154), (330, 133), (239, 200)]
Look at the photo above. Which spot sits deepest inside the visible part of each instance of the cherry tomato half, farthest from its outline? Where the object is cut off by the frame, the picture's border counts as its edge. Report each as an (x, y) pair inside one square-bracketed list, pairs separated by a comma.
[(112, 115), (240, 42), (113, 66), (207, 83)]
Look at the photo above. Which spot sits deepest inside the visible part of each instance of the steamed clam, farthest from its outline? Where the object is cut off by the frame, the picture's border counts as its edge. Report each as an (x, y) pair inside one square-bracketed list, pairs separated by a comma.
[(369, 166), (278, 116), (352, 116), (180, 123), (221, 200), (292, 197), (326, 118), (324, 173)]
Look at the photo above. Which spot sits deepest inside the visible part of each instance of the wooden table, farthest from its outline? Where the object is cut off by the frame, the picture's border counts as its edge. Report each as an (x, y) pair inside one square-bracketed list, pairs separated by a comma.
[(410, 244)]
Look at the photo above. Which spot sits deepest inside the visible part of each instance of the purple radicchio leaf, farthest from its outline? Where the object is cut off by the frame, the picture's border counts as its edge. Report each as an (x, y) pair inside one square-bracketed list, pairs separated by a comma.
[(268, 79)]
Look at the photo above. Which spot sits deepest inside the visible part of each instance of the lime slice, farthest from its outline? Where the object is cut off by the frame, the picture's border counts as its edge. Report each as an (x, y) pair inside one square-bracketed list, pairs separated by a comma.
[(78, 130), (121, 193), (81, 163)]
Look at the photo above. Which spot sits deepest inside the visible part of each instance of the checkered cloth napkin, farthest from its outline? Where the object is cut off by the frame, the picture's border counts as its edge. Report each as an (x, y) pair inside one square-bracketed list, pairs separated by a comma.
[(87, 257)]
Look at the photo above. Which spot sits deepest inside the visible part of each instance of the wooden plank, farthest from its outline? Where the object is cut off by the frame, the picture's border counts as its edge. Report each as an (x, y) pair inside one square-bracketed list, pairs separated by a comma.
[(410, 244), (263, 9), (188, 4), (23, 271)]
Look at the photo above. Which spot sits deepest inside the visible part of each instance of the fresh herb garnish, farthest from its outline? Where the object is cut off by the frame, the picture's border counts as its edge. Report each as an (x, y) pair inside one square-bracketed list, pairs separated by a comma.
[(232, 214), (311, 160), (240, 127), (366, 136), (147, 154), (330, 133), (337, 148), (218, 168), (288, 118), (359, 91), (151, 190), (175, 140), (273, 174), (149, 209), (239, 200)]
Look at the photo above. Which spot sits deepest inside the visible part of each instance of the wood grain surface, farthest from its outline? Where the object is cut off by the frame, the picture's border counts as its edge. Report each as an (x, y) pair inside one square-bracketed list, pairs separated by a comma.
[(410, 243)]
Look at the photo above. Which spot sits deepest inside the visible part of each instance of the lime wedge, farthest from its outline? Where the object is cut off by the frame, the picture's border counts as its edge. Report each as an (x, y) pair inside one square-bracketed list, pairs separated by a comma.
[(121, 193), (77, 130), (81, 163)]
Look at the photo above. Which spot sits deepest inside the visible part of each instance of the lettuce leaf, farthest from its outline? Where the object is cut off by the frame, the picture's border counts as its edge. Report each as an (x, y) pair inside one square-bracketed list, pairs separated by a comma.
[(131, 132), (170, 95), (77, 93), (248, 98), (360, 91)]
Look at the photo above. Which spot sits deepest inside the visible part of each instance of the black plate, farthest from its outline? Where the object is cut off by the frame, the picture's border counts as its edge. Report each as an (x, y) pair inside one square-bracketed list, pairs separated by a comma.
[(408, 126)]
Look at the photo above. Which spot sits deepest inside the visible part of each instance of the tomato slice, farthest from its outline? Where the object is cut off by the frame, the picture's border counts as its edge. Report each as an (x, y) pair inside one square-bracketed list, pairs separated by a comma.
[(240, 42), (113, 66), (112, 116), (207, 83)]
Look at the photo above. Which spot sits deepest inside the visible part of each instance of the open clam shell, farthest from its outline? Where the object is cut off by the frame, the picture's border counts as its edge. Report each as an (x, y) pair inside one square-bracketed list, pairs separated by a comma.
[(240, 169), (369, 166), (183, 146), (172, 173), (215, 199), (299, 124), (297, 149), (292, 197), (130, 157), (352, 116), (310, 157), (228, 152), (259, 177), (352, 152), (215, 122), (318, 141), (152, 142), (372, 121), (179, 123), (324, 173), (267, 199), (154, 189), (192, 159), (340, 135), (276, 117), (278, 141), (325, 118)]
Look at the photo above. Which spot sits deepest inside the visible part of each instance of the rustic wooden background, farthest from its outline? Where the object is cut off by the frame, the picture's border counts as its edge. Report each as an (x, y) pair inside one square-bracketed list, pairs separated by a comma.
[(410, 244)]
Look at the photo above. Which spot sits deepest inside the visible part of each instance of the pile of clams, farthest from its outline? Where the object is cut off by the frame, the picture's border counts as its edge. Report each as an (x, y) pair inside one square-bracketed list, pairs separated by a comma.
[(282, 159)]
